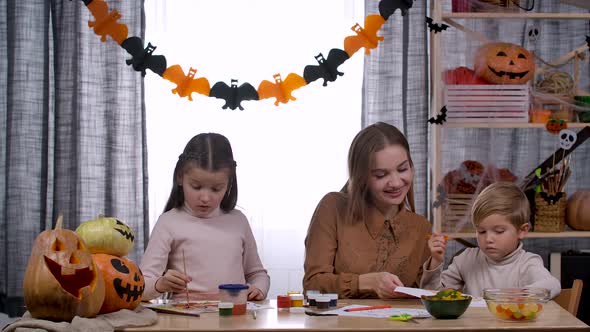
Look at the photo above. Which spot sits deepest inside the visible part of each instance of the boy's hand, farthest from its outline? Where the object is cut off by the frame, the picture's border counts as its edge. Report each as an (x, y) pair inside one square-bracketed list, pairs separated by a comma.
[(255, 294), (172, 281), (438, 245)]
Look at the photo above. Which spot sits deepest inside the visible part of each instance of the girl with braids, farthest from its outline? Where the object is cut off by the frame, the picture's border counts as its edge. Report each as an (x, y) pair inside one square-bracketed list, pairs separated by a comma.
[(201, 226)]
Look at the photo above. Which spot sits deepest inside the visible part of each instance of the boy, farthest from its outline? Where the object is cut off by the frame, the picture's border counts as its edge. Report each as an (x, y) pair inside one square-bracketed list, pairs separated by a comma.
[(500, 215)]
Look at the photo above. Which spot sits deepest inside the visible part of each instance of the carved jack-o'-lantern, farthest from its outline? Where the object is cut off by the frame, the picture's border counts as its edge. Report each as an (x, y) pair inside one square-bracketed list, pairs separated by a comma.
[(61, 280), (124, 283), (504, 63), (107, 236)]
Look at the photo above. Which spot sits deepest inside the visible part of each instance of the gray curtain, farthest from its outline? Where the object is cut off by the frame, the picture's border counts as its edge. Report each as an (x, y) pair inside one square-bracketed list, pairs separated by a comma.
[(519, 150), (73, 129), (395, 86)]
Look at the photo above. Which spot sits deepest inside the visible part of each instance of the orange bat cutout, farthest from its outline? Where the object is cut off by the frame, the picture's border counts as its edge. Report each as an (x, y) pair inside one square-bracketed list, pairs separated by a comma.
[(106, 23), (281, 90), (186, 85), (366, 37)]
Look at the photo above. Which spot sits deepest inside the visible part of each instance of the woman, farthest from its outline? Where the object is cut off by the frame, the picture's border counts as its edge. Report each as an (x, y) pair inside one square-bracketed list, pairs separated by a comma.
[(365, 240)]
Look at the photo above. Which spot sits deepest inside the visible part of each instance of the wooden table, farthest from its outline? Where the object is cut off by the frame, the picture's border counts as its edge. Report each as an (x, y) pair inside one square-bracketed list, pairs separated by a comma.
[(554, 318)]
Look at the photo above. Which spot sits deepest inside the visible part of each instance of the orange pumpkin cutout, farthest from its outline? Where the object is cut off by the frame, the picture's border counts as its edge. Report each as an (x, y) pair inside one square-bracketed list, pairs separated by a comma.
[(554, 126), (61, 280), (504, 63), (124, 283)]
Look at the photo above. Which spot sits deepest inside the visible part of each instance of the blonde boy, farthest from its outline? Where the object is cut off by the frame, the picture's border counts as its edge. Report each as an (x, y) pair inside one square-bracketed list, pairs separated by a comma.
[(500, 215)]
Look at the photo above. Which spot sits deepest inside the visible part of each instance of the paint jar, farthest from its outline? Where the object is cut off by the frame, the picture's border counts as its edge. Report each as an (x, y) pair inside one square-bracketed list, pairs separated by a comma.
[(236, 294), (310, 297), (296, 300), (293, 292), (283, 302), (322, 302), (225, 308), (333, 299)]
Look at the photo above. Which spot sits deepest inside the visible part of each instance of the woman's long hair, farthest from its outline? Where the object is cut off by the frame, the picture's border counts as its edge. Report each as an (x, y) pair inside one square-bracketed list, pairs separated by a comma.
[(361, 154)]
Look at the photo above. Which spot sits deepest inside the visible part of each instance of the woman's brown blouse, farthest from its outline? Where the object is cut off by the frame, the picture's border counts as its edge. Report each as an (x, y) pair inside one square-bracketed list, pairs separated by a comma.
[(338, 251)]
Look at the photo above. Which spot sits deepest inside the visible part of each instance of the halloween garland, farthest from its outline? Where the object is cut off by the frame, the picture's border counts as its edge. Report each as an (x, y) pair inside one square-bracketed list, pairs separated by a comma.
[(106, 24)]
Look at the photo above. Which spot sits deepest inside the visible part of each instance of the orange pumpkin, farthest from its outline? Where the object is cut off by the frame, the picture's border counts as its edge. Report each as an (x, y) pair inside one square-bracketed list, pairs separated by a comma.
[(554, 126), (61, 280), (504, 63), (578, 210), (124, 283)]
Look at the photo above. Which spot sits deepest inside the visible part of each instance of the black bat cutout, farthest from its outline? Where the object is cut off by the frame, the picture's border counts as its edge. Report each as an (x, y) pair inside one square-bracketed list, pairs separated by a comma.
[(327, 68), (551, 199), (86, 2), (388, 7), (143, 58), (233, 95), (440, 118), (436, 27)]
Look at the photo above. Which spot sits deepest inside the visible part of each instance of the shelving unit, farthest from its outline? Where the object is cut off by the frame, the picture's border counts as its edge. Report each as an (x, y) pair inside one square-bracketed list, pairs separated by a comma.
[(437, 102)]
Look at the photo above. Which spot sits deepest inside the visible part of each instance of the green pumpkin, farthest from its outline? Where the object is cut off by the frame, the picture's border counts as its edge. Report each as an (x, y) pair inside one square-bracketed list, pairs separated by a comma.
[(107, 236)]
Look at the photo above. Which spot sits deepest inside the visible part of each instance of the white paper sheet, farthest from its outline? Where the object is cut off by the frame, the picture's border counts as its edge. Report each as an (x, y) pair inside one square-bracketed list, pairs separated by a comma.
[(378, 313)]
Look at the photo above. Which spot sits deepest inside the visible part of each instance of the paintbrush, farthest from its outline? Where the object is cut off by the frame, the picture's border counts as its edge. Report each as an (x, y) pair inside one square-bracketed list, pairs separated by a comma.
[(184, 263)]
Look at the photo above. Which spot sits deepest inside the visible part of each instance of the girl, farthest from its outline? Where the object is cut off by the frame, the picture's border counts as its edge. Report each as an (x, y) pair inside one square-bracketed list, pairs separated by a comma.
[(366, 239), (200, 226)]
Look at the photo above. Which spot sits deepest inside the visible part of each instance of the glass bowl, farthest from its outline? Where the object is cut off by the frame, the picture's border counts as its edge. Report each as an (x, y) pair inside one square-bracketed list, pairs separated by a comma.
[(516, 304), (447, 304)]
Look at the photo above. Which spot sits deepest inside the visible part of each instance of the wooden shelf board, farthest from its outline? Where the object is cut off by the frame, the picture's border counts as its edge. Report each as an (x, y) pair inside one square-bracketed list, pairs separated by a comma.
[(518, 15), (567, 234), (508, 125)]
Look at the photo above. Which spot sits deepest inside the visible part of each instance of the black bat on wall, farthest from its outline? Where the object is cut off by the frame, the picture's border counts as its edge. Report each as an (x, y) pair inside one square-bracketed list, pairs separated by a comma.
[(143, 58), (327, 68), (233, 95), (440, 118), (388, 7), (436, 27)]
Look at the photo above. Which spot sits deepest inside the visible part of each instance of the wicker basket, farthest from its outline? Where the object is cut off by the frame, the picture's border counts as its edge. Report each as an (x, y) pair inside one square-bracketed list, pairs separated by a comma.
[(550, 217), (456, 213)]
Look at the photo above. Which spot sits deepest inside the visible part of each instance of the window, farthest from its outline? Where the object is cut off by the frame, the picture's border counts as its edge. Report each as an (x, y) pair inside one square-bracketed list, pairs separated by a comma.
[(288, 156)]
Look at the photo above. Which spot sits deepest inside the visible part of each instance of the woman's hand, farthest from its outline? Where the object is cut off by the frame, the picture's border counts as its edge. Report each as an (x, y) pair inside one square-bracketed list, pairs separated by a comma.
[(172, 281), (255, 294), (438, 245), (382, 283)]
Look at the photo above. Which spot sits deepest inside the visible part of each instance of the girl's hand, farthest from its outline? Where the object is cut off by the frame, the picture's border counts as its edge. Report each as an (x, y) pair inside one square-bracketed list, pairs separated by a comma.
[(255, 294), (438, 245), (382, 283), (172, 281)]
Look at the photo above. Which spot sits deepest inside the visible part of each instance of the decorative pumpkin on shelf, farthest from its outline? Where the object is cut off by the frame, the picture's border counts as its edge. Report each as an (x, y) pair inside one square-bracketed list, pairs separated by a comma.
[(578, 210), (461, 75), (504, 63), (107, 236), (124, 283), (61, 280)]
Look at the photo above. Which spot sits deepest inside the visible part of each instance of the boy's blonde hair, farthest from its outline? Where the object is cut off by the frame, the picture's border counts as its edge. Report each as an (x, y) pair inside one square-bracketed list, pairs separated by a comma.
[(505, 199)]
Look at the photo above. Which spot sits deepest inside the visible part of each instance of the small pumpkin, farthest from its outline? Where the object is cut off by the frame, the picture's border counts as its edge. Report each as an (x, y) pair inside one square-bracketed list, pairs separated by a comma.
[(578, 210), (504, 63), (107, 236), (61, 280), (554, 126), (124, 283)]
